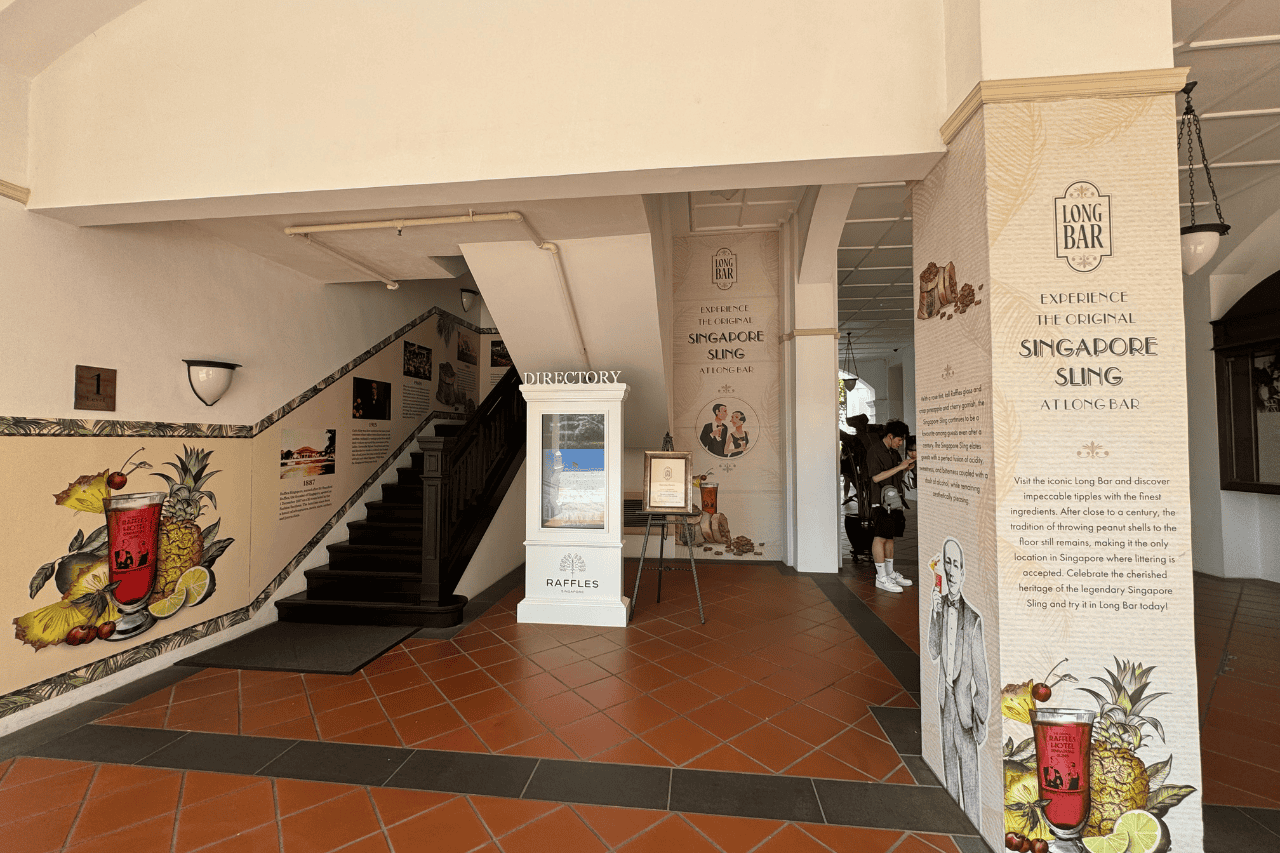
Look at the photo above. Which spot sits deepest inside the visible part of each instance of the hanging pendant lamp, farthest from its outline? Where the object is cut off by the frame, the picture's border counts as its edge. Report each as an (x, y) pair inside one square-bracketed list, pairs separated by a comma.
[(848, 363), (1199, 241)]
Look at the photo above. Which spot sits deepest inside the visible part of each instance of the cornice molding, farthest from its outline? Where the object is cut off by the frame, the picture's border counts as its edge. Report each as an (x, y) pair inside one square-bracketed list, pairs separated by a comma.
[(1112, 84), (19, 194)]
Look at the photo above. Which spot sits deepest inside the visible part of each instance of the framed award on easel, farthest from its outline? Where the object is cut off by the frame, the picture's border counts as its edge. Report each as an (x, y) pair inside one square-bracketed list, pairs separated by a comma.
[(668, 481)]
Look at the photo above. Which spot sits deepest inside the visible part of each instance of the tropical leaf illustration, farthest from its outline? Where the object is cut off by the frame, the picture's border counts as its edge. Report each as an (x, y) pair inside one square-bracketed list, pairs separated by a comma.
[(40, 578), (1097, 121), (215, 551), (1015, 153), (1160, 800), (1158, 772)]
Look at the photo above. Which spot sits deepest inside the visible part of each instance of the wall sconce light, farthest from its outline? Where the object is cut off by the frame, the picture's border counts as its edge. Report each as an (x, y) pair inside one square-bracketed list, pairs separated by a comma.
[(1199, 242), (468, 298), (209, 379)]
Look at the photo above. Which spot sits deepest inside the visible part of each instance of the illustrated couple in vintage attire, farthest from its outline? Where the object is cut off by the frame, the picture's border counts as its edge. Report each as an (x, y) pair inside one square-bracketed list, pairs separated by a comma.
[(964, 687), (725, 439)]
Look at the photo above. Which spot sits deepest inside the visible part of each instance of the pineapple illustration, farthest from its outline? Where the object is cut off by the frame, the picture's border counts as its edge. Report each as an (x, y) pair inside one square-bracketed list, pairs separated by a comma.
[(181, 539), (1118, 778)]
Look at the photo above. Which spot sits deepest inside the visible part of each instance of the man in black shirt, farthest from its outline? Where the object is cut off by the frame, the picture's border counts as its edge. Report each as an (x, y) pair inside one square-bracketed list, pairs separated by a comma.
[(885, 468)]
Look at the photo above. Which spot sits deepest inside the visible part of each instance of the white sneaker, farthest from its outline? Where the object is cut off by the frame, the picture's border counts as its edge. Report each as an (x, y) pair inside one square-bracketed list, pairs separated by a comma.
[(887, 584), (900, 580)]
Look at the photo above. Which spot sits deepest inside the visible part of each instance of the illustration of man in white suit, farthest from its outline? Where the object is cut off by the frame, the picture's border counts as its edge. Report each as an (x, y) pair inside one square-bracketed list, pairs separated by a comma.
[(964, 687)]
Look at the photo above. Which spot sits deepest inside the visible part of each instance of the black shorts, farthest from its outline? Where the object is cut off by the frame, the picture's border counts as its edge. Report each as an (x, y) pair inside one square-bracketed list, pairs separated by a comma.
[(889, 525)]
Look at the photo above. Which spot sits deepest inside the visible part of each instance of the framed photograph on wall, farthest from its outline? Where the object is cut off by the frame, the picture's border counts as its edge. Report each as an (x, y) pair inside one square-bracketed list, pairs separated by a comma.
[(668, 481)]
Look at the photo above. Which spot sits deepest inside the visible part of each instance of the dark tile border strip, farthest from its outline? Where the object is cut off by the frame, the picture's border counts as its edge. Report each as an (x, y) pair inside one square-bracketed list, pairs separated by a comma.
[(1228, 829), (900, 659), (305, 647), (910, 808), (902, 727)]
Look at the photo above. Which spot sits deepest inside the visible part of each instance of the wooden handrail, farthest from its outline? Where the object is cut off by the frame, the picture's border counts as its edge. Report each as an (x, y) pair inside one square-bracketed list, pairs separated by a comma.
[(464, 478)]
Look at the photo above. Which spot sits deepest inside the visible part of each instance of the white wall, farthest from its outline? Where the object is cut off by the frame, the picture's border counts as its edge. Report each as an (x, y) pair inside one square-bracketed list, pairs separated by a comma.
[(502, 548), (1202, 431), (140, 298), (1250, 535), (907, 358), (14, 91), (875, 372), (1021, 39)]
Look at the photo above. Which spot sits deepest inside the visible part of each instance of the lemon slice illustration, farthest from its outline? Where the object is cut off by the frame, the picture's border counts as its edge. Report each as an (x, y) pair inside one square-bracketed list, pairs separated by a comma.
[(166, 607), (197, 582), (1116, 842), (1147, 834)]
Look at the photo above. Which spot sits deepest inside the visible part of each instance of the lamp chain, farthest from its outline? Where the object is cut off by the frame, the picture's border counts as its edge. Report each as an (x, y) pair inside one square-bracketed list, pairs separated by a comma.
[(1192, 123)]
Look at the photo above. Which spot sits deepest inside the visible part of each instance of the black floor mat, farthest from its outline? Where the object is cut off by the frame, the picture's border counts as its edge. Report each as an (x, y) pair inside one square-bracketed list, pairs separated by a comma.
[(303, 647)]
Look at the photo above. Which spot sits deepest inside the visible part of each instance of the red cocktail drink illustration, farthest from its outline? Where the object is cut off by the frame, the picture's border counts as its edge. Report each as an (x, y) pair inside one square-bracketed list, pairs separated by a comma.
[(133, 540), (1062, 763)]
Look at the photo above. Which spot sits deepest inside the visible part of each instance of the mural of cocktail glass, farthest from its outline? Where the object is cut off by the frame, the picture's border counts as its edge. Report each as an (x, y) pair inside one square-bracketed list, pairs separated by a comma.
[(133, 540), (1063, 736)]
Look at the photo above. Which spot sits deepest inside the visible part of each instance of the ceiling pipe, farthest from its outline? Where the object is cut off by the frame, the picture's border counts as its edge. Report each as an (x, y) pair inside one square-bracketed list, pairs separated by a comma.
[(510, 216), (461, 219), (352, 262)]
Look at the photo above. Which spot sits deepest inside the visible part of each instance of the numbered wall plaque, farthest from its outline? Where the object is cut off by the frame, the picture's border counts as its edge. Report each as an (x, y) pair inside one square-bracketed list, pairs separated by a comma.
[(95, 388)]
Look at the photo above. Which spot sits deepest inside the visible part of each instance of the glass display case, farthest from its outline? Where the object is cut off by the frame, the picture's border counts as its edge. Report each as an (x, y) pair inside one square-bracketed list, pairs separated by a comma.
[(573, 470)]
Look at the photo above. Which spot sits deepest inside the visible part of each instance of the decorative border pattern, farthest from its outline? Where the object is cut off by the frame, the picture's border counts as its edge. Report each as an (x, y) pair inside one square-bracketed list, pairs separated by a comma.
[(20, 427), (36, 427)]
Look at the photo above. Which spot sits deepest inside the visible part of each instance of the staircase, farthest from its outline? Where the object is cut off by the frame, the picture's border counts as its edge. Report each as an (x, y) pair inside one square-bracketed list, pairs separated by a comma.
[(383, 574)]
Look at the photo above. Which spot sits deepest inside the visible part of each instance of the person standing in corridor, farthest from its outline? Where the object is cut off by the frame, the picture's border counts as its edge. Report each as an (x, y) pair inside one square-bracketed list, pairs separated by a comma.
[(885, 467)]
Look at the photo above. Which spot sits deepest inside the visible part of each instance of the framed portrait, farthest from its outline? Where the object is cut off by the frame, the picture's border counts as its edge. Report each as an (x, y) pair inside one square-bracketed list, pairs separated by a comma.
[(668, 481)]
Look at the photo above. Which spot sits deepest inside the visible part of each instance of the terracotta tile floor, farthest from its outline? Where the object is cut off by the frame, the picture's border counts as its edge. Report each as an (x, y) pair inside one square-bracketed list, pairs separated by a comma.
[(1238, 662), (776, 682), (52, 805)]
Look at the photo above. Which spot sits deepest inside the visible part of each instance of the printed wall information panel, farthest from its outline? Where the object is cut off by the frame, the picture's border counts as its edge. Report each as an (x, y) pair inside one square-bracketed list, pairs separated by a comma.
[(727, 385), (1054, 476), (323, 451)]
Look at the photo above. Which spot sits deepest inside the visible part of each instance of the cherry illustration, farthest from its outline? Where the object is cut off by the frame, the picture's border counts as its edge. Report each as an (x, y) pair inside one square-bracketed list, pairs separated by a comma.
[(1042, 691), (117, 480)]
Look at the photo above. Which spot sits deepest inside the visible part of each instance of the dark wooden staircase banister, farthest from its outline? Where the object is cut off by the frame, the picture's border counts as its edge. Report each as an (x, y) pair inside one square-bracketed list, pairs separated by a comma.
[(465, 477)]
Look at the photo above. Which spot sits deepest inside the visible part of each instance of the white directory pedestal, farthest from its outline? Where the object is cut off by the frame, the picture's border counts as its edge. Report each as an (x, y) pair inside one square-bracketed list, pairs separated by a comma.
[(573, 506)]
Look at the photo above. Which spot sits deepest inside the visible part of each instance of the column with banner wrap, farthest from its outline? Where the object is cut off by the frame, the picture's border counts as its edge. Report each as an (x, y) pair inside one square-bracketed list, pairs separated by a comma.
[(1058, 683)]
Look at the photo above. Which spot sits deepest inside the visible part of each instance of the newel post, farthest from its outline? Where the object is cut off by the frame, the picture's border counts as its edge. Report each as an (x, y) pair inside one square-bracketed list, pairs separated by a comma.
[(435, 453)]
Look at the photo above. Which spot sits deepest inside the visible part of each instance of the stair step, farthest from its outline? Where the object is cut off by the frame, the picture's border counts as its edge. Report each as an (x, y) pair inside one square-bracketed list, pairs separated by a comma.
[(328, 584), (302, 608), (388, 532), (415, 457), (409, 477), (388, 511), (375, 558), (402, 493)]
